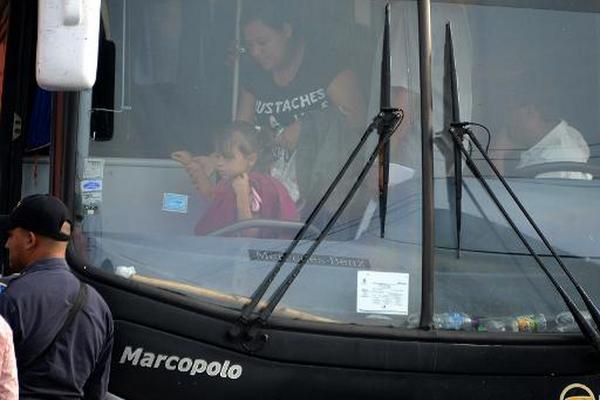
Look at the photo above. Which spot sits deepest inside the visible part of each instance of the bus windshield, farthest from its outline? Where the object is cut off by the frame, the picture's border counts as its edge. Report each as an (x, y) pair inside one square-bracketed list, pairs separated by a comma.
[(225, 123)]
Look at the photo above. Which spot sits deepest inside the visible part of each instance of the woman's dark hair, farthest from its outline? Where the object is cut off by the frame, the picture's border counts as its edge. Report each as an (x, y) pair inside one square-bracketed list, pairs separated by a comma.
[(273, 13), (248, 139)]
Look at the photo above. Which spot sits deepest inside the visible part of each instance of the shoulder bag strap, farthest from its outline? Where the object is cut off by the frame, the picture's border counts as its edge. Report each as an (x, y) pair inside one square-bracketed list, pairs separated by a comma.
[(79, 302)]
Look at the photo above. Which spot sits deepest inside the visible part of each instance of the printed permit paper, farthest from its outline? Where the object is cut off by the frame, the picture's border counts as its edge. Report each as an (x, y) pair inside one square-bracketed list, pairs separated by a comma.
[(382, 292), (93, 168)]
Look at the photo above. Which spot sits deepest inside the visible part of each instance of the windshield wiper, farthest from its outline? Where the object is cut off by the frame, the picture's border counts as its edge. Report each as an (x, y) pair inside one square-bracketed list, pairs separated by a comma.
[(384, 104), (458, 132), (452, 115), (451, 152), (386, 122)]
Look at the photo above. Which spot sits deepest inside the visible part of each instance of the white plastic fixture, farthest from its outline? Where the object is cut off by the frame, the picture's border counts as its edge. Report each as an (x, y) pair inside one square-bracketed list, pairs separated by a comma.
[(67, 44)]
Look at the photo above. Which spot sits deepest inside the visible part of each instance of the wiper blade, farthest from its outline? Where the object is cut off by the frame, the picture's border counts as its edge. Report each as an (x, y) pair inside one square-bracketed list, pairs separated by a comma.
[(450, 82), (452, 116), (384, 104), (458, 132)]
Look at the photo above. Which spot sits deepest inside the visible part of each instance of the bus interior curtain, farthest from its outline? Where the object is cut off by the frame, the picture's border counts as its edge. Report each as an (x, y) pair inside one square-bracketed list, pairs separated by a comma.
[(19, 85), (17, 89), (38, 130)]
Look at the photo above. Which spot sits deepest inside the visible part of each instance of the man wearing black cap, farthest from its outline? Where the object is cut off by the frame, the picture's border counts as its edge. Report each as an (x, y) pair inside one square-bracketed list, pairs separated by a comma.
[(62, 328)]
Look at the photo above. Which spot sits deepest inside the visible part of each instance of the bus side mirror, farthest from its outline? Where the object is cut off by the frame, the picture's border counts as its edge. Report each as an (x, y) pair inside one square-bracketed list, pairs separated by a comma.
[(67, 44)]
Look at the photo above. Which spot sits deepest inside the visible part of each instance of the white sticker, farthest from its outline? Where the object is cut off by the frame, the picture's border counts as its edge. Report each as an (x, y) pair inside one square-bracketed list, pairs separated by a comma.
[(382, 292), (91, 199), (175, 202), (91, 185), (93, 168)]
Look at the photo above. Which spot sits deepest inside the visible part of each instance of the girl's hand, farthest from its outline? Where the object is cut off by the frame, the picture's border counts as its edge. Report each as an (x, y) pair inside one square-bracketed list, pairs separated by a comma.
[(241, 185), (194, 169), (183, 157)]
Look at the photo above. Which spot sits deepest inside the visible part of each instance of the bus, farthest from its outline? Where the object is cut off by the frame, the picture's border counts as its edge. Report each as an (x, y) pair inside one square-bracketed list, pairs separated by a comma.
[(441, 158)]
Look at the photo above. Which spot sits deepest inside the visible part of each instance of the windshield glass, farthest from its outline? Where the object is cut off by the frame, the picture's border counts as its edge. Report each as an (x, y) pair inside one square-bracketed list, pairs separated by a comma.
[(225, 122), (174, 194), (531, 77)]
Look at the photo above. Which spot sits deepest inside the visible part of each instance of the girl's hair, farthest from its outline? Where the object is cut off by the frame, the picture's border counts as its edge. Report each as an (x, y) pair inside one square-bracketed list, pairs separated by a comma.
[(274, 14), (248, 139)]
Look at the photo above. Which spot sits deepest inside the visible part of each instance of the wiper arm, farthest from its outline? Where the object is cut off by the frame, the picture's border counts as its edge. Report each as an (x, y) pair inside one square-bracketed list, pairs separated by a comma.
[(457, 132), (258, 294), (391, 118), (386, 122)]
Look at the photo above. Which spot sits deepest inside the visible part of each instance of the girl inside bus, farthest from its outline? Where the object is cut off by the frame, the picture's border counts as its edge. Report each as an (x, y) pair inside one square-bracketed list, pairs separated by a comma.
[(244, 189)]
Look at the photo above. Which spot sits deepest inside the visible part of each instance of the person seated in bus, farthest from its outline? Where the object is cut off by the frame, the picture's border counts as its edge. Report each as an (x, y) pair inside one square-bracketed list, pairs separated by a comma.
[(555, 141), (535, 133), (245, 189), (287, 79)]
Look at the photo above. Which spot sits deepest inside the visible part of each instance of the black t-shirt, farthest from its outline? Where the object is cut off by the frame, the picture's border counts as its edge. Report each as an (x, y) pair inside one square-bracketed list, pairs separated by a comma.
[(279, 106)]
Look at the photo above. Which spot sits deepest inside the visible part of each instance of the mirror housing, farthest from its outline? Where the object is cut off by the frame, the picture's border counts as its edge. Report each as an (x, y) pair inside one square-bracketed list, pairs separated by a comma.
[(67, 44)]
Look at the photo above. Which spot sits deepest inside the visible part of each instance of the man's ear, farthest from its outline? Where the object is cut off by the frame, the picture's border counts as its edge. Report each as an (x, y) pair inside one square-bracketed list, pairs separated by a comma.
[(31, 240)]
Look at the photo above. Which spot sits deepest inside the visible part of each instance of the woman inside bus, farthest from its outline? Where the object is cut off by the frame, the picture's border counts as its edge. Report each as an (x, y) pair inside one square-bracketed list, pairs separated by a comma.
[(311, 102)]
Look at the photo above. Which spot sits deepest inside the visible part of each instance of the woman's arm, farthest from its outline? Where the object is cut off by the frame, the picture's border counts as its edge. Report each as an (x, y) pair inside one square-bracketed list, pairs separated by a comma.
[(344, 92), (246, 102)]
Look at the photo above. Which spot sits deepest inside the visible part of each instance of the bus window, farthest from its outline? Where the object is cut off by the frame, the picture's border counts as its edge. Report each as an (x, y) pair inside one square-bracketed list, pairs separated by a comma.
[(530, 77), (184, 199)]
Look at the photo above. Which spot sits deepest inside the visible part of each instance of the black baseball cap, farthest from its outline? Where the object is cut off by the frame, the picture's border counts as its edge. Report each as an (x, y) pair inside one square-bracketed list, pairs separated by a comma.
[(42, 214)]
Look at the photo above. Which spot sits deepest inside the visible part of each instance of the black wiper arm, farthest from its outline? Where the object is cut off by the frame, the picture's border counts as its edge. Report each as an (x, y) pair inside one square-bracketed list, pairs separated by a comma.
[(247, 327), (386, 122), (384, 104), (391, 118), (258, 294), (457, 132)]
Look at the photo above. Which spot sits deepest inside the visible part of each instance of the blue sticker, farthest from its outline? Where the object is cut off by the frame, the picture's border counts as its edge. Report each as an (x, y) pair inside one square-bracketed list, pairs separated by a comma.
[(91, 185), (174, 202)]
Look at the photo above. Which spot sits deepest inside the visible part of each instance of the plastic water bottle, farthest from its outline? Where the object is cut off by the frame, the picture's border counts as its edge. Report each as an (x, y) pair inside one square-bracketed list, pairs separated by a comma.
[(412, 322), (565, 322), (532, 323), (454, 321), (499, 324)]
